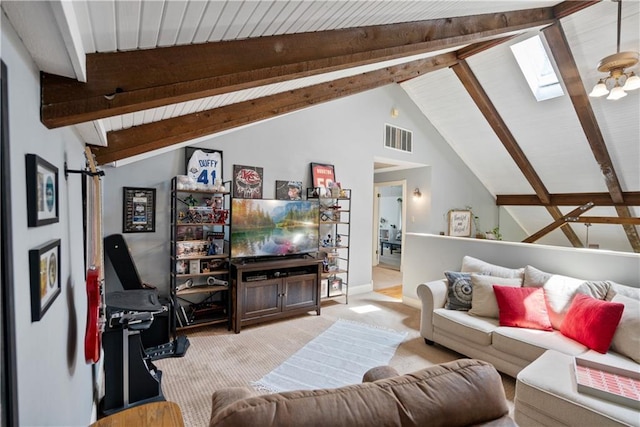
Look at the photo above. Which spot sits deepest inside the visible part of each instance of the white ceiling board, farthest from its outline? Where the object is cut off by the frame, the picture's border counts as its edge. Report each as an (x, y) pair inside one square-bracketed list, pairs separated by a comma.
[(68, 25), (150, 20), (560, 154), (171, 22), (34, 22), (102, 15), (445, 102), (128, 23)]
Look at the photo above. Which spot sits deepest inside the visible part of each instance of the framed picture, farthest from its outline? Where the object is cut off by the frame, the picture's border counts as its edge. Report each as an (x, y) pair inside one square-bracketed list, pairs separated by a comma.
[(322, 176), (460, 223), (289, 190), (44, 275), (42, 191), (247, 182), (138, 210), (203, 165)]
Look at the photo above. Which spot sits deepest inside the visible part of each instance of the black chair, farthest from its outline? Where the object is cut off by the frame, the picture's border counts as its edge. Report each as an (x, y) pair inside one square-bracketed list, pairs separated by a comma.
[(157, 338)]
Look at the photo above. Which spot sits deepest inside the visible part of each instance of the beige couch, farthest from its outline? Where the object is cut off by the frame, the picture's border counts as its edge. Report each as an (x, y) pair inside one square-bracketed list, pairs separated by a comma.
[(459, 393), (513, 350)]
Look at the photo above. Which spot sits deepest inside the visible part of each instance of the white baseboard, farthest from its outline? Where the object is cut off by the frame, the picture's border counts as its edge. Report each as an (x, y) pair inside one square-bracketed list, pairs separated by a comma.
[(360, 289)]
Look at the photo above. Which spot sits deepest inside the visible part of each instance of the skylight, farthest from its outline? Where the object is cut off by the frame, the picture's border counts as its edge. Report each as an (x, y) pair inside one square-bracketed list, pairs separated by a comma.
[(537, 69)]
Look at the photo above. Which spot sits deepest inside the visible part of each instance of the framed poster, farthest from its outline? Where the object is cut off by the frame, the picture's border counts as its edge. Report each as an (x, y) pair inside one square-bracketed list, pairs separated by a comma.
[(460, 223), (138, 210), (247, 182), (42, 191), (44, 275), (203, 165), (289, 190), (322, 175)]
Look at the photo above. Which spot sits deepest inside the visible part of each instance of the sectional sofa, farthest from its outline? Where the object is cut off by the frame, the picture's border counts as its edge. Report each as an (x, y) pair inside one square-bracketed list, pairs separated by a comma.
[(463, 311)]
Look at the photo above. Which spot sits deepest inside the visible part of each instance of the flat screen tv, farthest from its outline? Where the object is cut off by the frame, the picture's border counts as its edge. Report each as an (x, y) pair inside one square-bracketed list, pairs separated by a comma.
[(269, 228)]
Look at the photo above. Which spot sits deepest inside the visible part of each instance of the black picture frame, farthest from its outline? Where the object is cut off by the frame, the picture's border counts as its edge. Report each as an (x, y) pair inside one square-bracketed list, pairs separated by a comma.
[(138, 210), (188, 153), (323, 175), (248, 182), (8, 370), (44, 277), (42, 191)]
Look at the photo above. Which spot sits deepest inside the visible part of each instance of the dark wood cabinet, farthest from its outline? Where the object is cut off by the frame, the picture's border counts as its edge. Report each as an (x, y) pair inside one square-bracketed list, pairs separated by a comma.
[(268, 290)]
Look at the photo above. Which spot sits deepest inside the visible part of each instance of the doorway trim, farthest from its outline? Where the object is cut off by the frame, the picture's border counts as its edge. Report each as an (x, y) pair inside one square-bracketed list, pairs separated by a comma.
[(376, 217)]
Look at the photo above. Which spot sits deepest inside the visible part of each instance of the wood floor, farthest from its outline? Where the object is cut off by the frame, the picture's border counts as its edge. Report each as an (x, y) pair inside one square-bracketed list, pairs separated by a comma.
[(393, 292), (387, 281)]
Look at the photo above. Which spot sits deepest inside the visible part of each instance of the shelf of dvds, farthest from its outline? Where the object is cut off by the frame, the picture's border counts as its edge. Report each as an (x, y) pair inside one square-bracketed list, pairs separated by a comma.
[(200, 255)]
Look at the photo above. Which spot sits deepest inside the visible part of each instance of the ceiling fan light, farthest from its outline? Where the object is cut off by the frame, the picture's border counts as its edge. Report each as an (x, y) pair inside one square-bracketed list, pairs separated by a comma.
[(617, 93), (599, 89), (632, 83)]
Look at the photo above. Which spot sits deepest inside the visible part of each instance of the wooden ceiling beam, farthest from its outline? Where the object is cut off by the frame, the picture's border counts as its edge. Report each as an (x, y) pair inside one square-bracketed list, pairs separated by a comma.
[(152, 136), (631, 198), (490, 113), (560, 221), (605, 220), (573, 83), (124, 82)]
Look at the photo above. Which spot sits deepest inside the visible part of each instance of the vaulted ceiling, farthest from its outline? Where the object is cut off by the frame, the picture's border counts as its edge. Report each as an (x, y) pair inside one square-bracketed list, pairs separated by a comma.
[(139, 77)]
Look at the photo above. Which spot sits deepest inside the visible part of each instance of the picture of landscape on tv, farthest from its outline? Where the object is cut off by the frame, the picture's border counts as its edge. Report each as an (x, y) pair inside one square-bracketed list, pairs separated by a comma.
[(262, 227)]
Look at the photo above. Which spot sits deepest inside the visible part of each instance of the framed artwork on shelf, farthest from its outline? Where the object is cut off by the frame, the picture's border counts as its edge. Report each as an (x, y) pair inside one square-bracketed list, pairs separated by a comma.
[(289, 190), (138, 210), (203, 165), (322, 176), (247, 182), (459, 223), (42, 191), (44, 276)]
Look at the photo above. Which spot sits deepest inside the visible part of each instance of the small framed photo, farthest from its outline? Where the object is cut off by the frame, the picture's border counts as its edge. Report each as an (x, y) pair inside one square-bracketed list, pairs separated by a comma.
[(460, 223), (289, 190), (194, 266), (42, 191), (138, 210), (322, 175), (44, 276), (247, 182)]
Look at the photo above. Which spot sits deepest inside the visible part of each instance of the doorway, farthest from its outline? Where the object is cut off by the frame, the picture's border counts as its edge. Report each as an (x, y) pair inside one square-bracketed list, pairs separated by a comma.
[(389, 217)]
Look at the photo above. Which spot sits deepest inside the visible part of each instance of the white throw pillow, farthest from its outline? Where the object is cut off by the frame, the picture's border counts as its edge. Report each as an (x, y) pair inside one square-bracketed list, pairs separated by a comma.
[(559, 291), (475, 265), (626, 340), (483, 299)]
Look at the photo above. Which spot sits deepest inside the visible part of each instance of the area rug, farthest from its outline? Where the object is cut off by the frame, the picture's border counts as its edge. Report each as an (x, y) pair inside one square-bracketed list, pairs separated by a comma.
[(337, 357)]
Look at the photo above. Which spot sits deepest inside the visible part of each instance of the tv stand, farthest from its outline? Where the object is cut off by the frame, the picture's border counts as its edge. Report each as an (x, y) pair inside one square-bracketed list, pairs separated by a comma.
[(272, 289)]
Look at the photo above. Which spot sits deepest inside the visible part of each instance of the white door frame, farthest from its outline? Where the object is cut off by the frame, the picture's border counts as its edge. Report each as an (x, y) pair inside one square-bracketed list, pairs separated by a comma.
[(376, 217)]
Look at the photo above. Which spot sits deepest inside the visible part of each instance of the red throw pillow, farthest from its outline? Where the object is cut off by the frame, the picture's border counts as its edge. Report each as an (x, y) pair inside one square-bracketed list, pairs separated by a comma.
[(592, 322), (522, 307)]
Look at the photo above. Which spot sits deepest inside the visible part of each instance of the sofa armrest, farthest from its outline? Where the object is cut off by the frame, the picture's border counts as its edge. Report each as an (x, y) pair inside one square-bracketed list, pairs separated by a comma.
[(379, 373), (225, 397), (433, 295)]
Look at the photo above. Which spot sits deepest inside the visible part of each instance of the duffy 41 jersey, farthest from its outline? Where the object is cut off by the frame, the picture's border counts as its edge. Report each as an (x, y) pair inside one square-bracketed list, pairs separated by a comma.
[(204, 167)]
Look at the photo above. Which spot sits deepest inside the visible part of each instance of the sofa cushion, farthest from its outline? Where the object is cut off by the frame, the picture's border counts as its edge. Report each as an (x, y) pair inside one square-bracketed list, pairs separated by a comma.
[(475, 265), (627, 291), (626, 340), (459, 290), (522, 307), (459, 393), (483, 299), (559, 291), (529, 344), (474, 329), (592, 322)]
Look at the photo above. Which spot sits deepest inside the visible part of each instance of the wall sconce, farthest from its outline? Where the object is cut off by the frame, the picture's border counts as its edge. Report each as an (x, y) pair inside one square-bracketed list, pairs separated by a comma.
[(394, 112), (416, 193)]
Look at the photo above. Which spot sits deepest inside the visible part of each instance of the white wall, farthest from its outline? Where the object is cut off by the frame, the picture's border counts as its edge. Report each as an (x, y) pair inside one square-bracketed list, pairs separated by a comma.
[(54, 383), (347, 133), (426, 258)]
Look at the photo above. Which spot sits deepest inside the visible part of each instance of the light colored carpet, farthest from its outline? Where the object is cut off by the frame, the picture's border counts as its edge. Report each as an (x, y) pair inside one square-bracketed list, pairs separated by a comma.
[(218, 358), (337, 357)]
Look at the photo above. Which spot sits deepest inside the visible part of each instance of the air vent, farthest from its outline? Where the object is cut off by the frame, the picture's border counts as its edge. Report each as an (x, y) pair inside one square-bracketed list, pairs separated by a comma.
[(398, 139)]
